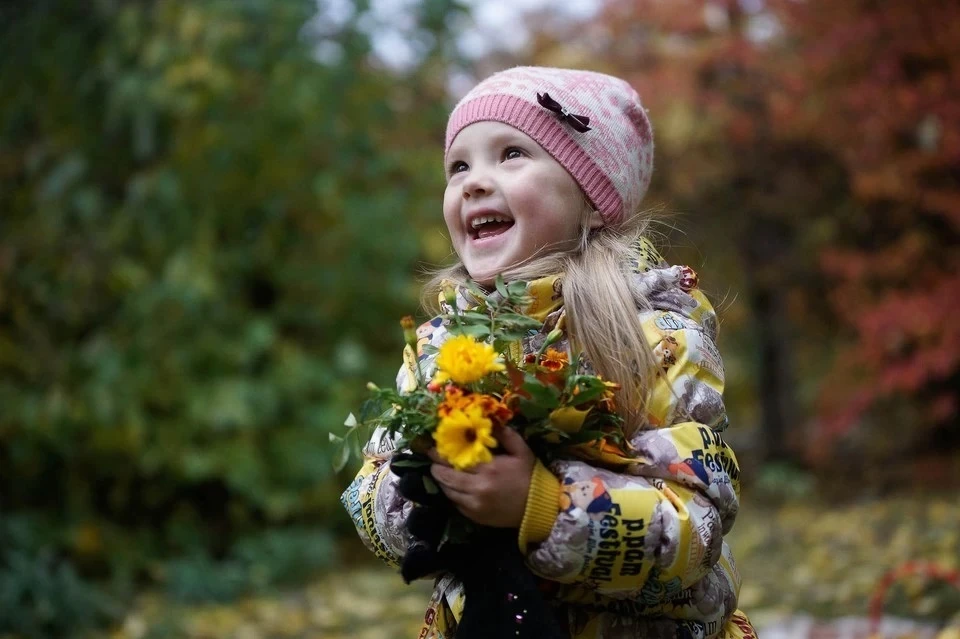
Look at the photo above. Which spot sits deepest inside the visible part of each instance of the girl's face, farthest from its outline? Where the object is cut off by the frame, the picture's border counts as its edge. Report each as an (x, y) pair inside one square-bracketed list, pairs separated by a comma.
[(506, 199)]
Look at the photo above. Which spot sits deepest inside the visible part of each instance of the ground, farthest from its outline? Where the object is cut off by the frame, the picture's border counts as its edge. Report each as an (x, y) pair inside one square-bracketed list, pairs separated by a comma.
[(809, 570)]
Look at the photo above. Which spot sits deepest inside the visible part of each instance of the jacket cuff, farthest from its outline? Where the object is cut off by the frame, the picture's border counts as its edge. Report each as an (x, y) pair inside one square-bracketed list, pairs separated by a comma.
[(543, 505)]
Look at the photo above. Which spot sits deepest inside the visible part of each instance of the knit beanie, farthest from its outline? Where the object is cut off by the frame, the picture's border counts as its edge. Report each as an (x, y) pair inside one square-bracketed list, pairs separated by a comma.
[(593, 124)]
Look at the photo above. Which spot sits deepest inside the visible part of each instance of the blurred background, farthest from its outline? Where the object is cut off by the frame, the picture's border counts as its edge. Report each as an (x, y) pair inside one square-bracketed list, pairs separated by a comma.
[(213, 213)]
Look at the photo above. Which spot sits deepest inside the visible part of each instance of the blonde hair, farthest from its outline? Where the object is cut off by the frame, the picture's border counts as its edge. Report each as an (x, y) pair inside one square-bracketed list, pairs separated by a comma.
[(601, 302)]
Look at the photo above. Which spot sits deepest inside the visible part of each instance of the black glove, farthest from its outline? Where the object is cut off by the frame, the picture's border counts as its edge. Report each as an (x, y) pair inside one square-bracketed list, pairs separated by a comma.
[(502, 598), (427, 520)]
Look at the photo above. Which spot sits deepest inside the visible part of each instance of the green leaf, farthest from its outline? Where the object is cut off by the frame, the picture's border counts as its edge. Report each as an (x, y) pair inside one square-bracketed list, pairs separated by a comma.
[(475, 330), (590, 388), (501, 287), (475, 289), (430, 486), (341, 456), (502, 343), (542, 394), (517, 288), (532, 410), (473, 316), (519, 322)]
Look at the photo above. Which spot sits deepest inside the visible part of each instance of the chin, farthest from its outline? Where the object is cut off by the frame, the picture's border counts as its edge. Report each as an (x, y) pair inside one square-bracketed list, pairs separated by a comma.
[(484, 279), (486, 274)]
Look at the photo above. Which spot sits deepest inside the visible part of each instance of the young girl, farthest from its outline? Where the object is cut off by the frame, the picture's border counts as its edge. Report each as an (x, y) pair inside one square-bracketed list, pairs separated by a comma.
[(545, 171)]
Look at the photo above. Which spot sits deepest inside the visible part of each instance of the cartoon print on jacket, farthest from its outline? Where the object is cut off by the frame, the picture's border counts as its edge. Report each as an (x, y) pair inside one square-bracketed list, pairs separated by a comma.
[(691, 467), (590, 496), (665, 352)]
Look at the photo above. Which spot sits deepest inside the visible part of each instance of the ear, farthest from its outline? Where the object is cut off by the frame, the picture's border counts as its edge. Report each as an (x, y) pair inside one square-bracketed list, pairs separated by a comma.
[(595, 220)]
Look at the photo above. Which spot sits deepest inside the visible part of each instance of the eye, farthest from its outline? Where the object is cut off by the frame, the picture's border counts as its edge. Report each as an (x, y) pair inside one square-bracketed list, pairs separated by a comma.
[(457, 166), (512, 153)]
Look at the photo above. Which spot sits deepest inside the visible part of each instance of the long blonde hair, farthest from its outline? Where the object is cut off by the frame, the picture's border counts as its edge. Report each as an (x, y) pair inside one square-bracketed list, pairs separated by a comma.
[(601, 302)]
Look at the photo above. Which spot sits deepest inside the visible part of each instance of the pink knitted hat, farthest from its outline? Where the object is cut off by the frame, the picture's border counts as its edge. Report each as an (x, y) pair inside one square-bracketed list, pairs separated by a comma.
[(593, 124)]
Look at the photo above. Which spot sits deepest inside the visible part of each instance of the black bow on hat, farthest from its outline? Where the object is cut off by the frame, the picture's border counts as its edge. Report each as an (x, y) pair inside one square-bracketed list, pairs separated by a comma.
[(578, 122)]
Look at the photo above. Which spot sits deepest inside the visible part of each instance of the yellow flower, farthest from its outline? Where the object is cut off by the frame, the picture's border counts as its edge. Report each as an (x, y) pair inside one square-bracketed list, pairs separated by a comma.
[(462, 360), (464, 437)]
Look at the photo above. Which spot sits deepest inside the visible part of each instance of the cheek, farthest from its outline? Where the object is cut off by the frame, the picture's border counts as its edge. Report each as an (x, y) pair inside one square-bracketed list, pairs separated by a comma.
[(560, 204), (561, 220), (451, 210)]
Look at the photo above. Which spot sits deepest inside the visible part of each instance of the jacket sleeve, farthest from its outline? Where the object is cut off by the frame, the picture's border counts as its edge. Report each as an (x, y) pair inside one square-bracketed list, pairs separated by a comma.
[(375, 506), (656, 527), (664, 517)]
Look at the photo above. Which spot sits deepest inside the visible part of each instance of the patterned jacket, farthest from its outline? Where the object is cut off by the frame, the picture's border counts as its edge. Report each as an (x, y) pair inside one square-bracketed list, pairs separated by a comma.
[(632, 552)]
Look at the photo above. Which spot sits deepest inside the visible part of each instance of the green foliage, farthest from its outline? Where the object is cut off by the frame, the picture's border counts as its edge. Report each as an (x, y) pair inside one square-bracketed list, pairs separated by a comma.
[(256, 563), (203, 231), (48, 596)]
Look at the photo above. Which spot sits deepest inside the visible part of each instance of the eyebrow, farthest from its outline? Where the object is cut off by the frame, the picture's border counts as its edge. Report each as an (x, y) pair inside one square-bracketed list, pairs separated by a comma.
[(506, 136), (497, 139)]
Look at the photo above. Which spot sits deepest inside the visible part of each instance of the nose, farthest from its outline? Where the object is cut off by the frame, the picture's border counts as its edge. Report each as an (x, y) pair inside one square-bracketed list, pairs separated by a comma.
[(478, 183)]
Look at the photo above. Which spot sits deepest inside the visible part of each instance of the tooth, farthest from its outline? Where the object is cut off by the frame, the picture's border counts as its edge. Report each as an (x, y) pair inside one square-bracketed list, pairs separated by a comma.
[(485, 219)]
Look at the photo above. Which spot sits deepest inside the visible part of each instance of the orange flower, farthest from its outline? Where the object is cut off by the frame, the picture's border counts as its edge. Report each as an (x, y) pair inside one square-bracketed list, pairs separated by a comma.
[(491, 407), (605, 446), (610, 447), (554, 360), (453, 399), (608, 401), (495, 409), (511, 398), (409, 330)]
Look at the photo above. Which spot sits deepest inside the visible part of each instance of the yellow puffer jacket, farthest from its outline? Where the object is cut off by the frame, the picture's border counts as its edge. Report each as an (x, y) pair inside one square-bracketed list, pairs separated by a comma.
[(627, 547)]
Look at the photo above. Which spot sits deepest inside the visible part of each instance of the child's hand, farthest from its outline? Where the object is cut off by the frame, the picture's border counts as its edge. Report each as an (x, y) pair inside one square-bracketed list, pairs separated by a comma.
[(494, 493)]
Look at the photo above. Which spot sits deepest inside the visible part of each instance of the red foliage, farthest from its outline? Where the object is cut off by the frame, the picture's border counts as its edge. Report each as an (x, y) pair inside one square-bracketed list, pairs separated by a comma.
[(887, 81), (878, 85)]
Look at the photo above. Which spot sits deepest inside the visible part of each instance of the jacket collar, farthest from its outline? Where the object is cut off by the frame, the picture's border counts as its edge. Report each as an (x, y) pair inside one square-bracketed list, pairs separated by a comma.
[(547, 292)]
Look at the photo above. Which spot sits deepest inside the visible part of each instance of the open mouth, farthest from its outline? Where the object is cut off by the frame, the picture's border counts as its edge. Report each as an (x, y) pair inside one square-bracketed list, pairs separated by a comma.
[(487, 226)]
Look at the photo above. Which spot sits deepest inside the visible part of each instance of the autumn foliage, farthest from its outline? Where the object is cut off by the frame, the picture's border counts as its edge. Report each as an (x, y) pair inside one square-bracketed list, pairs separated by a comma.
[(888, 78), (819, 139)]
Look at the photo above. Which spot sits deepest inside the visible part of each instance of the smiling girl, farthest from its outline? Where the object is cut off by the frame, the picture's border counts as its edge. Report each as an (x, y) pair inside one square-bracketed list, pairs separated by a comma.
[(546, 169)]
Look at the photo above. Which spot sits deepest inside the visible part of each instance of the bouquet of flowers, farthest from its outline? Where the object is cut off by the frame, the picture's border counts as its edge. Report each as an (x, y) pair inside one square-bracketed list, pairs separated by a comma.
[(483, 381)]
